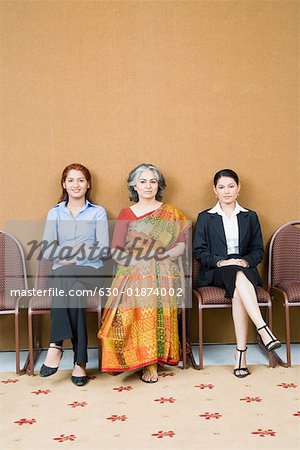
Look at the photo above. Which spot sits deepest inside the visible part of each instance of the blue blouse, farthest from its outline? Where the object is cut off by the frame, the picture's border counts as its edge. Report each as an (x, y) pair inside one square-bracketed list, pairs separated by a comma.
[(86, 235)]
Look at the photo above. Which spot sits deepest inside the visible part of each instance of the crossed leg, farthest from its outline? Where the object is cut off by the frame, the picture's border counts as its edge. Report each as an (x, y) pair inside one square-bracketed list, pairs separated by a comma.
[(244, 305), (240, 321)]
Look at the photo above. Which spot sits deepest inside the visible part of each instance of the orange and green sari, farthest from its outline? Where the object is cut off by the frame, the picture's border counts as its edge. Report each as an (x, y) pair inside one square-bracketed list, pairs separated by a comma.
[(140, 320)]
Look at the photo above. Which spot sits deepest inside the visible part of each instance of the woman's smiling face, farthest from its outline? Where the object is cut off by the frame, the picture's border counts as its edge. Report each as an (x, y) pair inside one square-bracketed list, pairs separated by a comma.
[(76, 184)]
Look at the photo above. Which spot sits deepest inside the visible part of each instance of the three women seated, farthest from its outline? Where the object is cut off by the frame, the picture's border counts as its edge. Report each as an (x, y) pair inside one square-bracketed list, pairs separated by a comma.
[(140, 320)]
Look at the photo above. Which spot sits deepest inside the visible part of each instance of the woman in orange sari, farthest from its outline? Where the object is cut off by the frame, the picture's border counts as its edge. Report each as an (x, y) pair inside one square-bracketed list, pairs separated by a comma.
[(140, 321)]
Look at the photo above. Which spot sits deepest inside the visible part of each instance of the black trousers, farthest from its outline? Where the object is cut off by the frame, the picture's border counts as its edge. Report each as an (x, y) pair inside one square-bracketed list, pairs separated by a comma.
[(68, 314)]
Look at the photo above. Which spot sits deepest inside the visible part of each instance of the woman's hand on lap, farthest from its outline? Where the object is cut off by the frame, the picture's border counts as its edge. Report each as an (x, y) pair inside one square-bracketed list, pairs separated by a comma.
[(233, 262)]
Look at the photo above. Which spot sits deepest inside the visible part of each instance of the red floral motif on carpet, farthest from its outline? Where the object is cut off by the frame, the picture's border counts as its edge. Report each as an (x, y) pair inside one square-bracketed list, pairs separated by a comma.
[(161, 434), (9, 381), (297, 414), (114, 418), (287, 385), (209, 416), (25, 421), (123, 388), (165, 400), (167, 374), (41, 391), (263, 433), (76, 404), (63, 437), (205, 386), (251, 399)]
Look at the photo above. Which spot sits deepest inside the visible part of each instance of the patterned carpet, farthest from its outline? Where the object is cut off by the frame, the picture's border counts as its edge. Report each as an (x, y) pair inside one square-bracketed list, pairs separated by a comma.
[(184, 410)]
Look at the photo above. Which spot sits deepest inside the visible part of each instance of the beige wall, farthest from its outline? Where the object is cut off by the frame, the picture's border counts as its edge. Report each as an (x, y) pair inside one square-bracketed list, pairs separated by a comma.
[(190, 86)]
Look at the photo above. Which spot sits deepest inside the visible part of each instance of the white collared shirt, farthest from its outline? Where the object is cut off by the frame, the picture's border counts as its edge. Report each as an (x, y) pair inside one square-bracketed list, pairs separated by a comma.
[(231, 227)]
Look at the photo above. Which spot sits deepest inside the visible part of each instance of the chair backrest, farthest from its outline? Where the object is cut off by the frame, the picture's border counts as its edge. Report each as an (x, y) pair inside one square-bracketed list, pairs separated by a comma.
[(43, 270), (195, 271), (12, 263), (12, 269), (284, 255)]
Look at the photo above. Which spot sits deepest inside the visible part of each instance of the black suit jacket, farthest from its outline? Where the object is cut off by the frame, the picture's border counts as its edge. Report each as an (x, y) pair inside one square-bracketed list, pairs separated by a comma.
[(210, 243)]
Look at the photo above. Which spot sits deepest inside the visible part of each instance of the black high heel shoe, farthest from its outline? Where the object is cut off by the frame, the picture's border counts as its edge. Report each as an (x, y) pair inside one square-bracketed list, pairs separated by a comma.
[(274, 343), (79, 381), (48, 371), (241, 369)]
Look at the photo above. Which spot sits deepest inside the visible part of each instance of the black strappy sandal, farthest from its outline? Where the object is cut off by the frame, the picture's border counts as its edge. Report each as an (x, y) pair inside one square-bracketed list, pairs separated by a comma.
[(48, 371), (273, 344), (239, 369)]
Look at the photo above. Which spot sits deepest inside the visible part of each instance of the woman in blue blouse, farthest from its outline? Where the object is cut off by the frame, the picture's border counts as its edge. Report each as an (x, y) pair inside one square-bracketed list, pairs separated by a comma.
[(78, 232)]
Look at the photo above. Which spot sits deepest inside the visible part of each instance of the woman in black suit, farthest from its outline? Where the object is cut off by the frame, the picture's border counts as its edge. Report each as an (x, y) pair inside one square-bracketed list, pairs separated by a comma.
[(228, 245)]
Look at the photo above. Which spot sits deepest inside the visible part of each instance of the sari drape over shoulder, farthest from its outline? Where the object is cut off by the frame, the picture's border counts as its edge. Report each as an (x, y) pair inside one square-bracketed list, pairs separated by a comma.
[(140, 320)]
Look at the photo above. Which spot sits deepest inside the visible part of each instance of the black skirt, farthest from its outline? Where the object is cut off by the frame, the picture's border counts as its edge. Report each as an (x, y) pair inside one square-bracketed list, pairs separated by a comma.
[(225, 277)]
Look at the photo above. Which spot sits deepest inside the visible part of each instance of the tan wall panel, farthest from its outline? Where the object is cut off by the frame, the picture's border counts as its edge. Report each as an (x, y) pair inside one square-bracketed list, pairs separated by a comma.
[(190, 86)]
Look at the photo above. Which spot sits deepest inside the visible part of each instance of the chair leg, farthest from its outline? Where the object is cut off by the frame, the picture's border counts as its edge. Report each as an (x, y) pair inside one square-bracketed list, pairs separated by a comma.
[(200, 326), (183, 319), (288, 335), (269, 322), (30, 338), (99, 343), (36, 333), (17, 341)]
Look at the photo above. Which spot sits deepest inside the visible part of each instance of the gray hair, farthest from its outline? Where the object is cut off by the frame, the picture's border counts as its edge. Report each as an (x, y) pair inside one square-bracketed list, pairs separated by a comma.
[(134, 176)]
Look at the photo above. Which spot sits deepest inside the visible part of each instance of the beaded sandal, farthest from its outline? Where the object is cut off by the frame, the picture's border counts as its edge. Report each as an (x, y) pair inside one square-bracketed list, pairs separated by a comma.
[(152, 369)]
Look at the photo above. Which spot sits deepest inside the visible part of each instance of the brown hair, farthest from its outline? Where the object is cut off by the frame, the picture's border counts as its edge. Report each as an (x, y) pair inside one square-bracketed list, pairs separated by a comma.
[(64, 195)]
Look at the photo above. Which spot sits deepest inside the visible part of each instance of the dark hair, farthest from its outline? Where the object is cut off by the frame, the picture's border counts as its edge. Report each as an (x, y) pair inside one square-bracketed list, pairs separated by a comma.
[(75, 166), (226, 173), (134, 176)]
